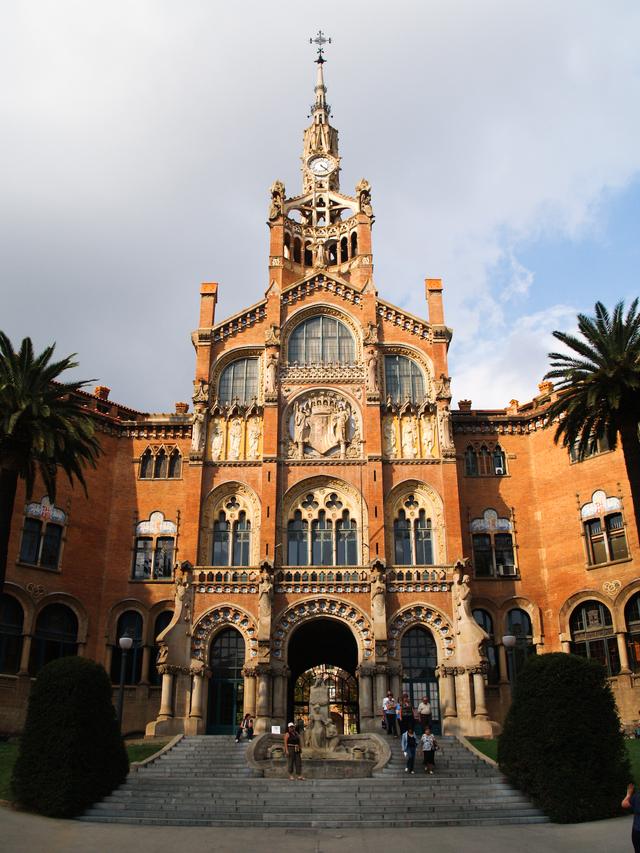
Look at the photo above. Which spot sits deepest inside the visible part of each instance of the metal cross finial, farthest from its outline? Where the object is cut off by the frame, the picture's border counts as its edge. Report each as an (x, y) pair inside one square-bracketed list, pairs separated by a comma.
[(320, 40)]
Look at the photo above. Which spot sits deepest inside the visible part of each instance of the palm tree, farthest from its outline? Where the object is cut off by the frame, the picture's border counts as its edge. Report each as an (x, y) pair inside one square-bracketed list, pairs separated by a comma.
[(599, 387), (43, 428)]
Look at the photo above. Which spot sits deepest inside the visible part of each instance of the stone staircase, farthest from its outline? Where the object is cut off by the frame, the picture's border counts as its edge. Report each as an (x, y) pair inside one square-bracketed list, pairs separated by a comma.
[(205, 781)]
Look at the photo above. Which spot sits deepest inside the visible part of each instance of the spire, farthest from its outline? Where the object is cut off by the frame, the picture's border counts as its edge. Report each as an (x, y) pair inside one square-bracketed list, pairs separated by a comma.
[(320, 109), (320, 139)]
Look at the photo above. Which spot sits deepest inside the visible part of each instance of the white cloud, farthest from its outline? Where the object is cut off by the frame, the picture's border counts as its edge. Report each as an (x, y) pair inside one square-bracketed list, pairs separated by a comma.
[(138, 141)]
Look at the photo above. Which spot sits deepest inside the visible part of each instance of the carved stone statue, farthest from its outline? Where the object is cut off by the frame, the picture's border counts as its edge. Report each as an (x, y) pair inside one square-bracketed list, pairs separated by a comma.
[(320, 260), (378, 597), (444, 428), (277, 200), (443, 389), (235, 438), (340, 424), (254, 438), (390, 442), (363, 188), (372, 372), (428, 436), (471, 637), (217, 439), (197, 430), (371, 336), (321, 736), (409, 437), (300, 422), (200, 391), (272, 335), (271, 374)]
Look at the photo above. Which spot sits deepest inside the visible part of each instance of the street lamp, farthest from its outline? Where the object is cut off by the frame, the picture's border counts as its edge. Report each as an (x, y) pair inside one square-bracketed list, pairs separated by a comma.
[(509, 642), (125, 642)]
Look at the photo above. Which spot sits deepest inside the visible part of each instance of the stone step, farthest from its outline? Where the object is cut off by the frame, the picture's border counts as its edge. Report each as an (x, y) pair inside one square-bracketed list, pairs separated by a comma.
[(318, 823)]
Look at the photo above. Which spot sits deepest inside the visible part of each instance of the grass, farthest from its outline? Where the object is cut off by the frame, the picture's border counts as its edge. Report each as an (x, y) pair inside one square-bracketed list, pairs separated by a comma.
[(487, 747), (9, 753)]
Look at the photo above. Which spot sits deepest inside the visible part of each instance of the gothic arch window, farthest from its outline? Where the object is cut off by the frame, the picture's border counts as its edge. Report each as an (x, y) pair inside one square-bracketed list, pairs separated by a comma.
[(485, 460), (231, 539), (492, 542), (41, 543), (321, 340), (404, 379), (154, 549), (519, 625), (321, 531), (354, 244), (484, 619), (56, 636), (11, 626), (344, 250), (160, 462), (239, 381), (470, 462), (130, 624), (632, 623), (308, 254), (297, 250), (287, 245), (604, 529), (162, 621), (592, 635), (413, 537)]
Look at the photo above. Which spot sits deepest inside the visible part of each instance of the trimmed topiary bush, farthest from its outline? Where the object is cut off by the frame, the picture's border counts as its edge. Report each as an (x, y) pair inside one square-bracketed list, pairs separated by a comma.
[(71, 751), (562, 743)]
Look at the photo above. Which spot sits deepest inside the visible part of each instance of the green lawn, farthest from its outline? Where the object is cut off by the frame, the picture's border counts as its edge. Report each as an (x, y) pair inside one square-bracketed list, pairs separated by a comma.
[(9, 753), (490, 748)]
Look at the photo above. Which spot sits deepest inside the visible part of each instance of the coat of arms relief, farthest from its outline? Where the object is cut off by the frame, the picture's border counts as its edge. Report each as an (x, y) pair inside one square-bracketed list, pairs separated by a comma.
[(322, 424)]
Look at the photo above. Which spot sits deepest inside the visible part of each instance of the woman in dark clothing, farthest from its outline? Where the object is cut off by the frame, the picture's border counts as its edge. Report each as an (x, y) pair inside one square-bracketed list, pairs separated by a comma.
[(406, 713)]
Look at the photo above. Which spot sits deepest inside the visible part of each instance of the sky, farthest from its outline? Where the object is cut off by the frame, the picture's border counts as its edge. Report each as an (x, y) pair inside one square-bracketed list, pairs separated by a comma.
[(139, 139)]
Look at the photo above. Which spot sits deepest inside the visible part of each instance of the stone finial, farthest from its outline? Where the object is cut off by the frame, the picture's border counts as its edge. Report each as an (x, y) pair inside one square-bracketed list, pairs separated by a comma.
[(464, 405), (512, 408), (545, 387), (182, 408), (102, 392)]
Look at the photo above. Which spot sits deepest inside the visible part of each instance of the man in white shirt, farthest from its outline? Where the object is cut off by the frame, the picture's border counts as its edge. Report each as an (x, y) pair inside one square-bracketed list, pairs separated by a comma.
[(389, 711), (424, 710)]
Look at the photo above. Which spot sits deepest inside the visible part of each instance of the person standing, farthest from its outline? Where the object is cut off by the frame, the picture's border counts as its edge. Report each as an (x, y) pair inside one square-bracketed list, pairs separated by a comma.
[(293, 751), (406, 713), (409, 744), (389, 714), (632, 801), (244, 728), (429, 747), (424, 712)]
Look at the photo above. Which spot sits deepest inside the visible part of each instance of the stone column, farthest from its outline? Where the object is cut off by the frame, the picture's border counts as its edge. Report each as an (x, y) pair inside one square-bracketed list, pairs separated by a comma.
[(447, 683), (263, 698), (280, 696), (146, 657), (503, 664), (381, 672), (249, 674), (566, 647), (480, 704), (196, 695), (26, 654), (166, 698), (365, 697), (623, 653), (395, 680)]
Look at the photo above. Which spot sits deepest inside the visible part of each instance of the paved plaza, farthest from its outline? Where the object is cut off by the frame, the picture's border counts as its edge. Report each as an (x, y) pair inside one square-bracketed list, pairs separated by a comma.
[(24, 832)]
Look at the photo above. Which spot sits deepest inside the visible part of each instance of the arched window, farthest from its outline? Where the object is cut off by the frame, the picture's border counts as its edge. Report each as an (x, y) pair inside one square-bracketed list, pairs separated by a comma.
[(298, 541), (413, 542), (162, 620), (321, 340), (239, 380), (221, 530), (175, 465), (321, 541), (492, 542), (470, 462), (483, 618), (56, 636), (226, 686), (344, 250), (499, 461), (297, 250), (484, 462), (287, 245), (42, 535), (519, 626), (403, 379), (419, 661), (146, 465), (129, 625), (346, 541), (604, 531), (308, 255), (154, 549), (592, 635), (241, 540), (354, 244), (11, 622), (160, 465)]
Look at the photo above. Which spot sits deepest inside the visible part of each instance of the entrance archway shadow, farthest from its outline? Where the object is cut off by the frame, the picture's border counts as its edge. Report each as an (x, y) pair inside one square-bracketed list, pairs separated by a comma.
[(321, 641)]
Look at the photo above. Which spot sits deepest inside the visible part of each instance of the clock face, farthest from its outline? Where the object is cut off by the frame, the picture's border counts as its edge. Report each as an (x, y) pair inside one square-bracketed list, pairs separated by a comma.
[(321, 166)]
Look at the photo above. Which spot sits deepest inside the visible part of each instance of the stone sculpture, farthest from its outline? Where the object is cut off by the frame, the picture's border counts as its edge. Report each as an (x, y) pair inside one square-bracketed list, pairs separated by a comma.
[(372, 373), (235, 437), (390, 442), (271, 374), (217, 440), (197, 430), (254, 438), (321, 736), (409, 437)]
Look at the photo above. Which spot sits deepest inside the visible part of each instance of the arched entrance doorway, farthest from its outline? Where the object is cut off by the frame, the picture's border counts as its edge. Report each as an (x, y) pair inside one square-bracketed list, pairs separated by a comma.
[(419, 661), (226, 686), (325, 648)]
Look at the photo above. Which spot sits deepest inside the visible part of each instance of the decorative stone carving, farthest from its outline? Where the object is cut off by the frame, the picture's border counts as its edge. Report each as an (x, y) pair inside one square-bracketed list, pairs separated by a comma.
[(373, 385), (409, 437), (235, 438), (271, 375), (272, 335), (311, 609), (324, 424), (470, 649), (420, 614), (371, 336), (254, 431), (378, 601), (36, 590), (200, 391), (217, 439), (321, 735), (277, 200), (389, 434), (428, 436), (265, 602), (198, 430), (444, 429), (211, 621), (611, 588), (443, 388), (363, 188)]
